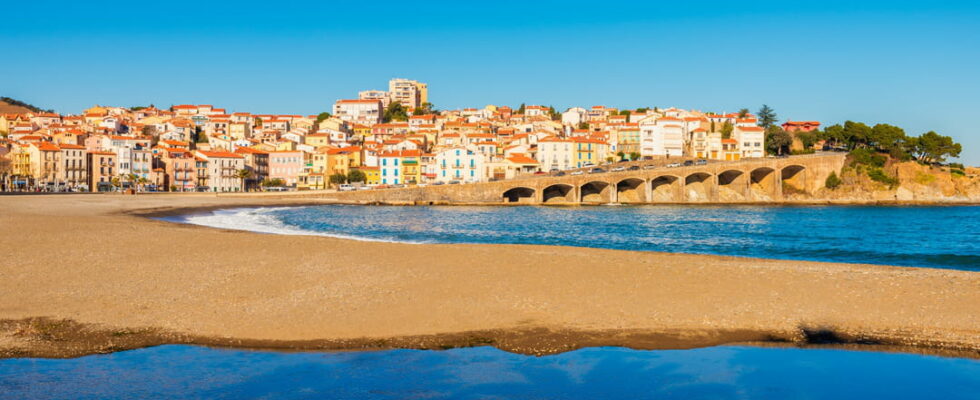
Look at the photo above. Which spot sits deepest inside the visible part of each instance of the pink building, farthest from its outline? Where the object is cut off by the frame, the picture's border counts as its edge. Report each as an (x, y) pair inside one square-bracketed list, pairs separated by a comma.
[(286, 165)]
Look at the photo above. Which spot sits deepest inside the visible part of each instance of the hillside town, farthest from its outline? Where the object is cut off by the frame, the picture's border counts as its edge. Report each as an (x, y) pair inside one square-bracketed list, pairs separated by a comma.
[(381, 138)]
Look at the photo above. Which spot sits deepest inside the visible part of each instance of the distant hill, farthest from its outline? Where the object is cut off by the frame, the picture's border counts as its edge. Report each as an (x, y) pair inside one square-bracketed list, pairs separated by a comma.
[(12, 106)]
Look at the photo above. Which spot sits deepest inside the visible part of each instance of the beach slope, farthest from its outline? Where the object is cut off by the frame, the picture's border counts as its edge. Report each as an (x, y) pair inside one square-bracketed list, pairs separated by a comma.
[(83, 274)]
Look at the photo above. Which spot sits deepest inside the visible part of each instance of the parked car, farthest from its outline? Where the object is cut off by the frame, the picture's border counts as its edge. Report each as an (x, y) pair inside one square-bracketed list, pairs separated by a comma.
[(363, 187), (540, 173), (438, 183), (588, 165), (618, 169), (688, 163), (596, 171), (673, 165), (202, 189), (560, 173), (633, 168), (579, 172), (453, 182), (649, 166), (702, 162), (346, 187)]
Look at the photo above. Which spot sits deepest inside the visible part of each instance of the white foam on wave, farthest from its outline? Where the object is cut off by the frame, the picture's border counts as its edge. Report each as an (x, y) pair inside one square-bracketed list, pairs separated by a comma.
[(262, 220)]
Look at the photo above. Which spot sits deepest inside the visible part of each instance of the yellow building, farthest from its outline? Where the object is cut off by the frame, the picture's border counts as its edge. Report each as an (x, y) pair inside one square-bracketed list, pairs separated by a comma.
[(318, 139), (372, 175), (589, 151)]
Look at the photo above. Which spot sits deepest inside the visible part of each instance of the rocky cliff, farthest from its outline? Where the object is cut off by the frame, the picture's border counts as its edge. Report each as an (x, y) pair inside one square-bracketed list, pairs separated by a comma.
[(913, 182)]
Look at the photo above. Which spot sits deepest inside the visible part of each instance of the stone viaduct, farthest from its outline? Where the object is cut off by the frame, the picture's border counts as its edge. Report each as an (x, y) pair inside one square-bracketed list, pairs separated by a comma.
[(747, 181)]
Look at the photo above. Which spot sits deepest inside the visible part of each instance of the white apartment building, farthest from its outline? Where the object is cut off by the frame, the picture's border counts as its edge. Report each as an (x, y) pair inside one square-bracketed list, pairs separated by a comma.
[(661, 137), (380, 95), (573, 116), (464, 164), (409, 93), (222, 170), (556, 153), (751, 141), (364, 112)]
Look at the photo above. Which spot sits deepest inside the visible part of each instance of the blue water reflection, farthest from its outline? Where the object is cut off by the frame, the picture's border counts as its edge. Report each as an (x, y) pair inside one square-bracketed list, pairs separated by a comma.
[(727, 372)]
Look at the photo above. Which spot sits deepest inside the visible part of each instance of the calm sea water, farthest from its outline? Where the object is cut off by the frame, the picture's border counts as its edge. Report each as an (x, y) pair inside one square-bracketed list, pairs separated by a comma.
[(937, 237), (728, 372)]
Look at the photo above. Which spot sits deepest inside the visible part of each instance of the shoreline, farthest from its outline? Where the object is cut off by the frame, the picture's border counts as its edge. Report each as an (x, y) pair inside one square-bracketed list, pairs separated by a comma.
[(62, 339), (435, 295)]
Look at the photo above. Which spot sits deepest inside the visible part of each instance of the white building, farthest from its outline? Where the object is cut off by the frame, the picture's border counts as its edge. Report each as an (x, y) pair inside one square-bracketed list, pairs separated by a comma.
[(409, 93), (364, 112), (661, 137), (460, 164), (556, 153), (573, 116), (222, 170), (381, 95), (751, 141)]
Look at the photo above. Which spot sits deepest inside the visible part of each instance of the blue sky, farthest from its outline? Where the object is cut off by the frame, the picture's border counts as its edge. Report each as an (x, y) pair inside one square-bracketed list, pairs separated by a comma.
[(913, 64)]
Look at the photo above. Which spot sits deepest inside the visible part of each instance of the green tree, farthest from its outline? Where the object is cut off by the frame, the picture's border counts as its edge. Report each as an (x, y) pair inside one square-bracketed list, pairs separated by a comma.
[(743, 113), (832, 181), (395, 112), (554, 114), (243, 174), (856, 134), (258, 122), (634, 156), (356, 175), (808, 139), (885, 137), (424, 109), (767, 116), (932, 148), (621, 155), (777, 140), (322, 116), (338, 178), (273, 182), (726, 130), (642, 110), (6, 170), (520, 110), (583, 125)]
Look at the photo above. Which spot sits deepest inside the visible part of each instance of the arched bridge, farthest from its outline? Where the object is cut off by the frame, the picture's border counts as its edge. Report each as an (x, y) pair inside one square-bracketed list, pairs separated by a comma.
[(748, 181)]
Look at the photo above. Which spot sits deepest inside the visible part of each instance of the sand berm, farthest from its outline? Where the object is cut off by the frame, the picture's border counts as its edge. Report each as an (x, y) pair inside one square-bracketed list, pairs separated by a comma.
[(83, 274)]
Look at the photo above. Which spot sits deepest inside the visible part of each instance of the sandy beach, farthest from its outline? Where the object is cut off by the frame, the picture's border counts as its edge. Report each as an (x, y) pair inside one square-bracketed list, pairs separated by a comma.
[(82, 274)]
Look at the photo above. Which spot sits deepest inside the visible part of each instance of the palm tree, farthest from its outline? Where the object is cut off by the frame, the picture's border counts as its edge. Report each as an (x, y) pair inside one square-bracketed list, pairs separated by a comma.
[(243, 174)]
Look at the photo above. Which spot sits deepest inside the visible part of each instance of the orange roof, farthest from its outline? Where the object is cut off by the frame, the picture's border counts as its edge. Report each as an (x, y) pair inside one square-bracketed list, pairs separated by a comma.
[(219, 154), (520, 158), (72, 146), (750, 128), (249, 150), (401, 153), (46, 146)]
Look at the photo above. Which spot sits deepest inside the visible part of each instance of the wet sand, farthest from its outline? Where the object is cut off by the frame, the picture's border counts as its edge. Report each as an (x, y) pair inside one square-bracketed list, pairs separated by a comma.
[(83, 274)]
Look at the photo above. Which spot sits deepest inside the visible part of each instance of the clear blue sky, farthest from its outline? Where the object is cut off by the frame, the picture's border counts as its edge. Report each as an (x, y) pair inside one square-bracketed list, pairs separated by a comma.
[(913, 64)]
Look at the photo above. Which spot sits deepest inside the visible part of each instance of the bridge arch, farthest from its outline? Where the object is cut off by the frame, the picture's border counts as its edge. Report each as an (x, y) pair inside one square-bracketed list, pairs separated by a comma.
[(665, 189), (762, 183), (732, 185), (631, 190), (698, 186), (558, 193), (794, 179), (595, 192), (519, 194)]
